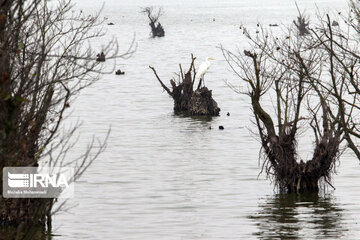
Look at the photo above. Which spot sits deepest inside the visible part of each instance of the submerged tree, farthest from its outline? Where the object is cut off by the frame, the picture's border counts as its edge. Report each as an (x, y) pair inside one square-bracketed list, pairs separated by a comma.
[(45, 60), (313, 81), (157, 29), (301, 23), (195, 103)]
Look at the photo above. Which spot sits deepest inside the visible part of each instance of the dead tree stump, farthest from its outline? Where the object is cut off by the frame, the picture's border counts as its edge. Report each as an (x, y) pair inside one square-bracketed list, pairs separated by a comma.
[(202, 103), (194, 103), (157, 29), (302, 24)]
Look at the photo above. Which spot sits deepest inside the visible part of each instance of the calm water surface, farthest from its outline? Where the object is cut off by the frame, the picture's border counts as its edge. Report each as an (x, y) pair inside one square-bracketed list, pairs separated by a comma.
[(169, 177)]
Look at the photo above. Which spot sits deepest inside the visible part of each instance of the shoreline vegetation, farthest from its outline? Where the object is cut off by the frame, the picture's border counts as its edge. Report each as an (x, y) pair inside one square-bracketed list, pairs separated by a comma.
[(46, 60)]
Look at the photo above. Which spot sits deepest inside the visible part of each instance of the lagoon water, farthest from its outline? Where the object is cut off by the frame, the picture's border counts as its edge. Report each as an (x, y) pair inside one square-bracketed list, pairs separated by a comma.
[(165, 176)]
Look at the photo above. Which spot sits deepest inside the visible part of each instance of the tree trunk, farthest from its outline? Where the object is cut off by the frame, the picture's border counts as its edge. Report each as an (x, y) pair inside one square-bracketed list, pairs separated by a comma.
[(157, 30), (194, 103)]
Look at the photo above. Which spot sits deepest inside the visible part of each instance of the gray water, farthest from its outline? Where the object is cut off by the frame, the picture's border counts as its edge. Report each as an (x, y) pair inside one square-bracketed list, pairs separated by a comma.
[(165, 176)]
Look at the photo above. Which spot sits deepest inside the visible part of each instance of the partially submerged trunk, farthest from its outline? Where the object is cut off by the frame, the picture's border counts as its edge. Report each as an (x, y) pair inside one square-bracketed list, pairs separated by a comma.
[(297, 103), (202, 103), (195, 103), (157, 30), (18, 212), (295, 176), (292, 174)]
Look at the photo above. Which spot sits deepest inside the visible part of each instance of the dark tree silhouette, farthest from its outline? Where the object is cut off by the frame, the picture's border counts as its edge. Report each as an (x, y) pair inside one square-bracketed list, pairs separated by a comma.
[(313, 80), (301, 23), (186, 100), (157, 29), (45, 61)]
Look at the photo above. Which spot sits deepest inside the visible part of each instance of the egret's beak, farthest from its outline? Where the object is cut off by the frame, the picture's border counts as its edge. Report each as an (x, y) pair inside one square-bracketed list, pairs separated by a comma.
[(212, 59)]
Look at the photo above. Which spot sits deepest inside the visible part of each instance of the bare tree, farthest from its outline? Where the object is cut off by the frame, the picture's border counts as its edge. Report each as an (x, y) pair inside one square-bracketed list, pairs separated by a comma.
[(157, 29), (341, 47), (314, 80), (293, 70), (302, 23), (45, 60)]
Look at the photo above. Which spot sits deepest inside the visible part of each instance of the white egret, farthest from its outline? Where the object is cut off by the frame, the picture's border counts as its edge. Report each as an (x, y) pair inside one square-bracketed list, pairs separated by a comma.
[(203, 69)]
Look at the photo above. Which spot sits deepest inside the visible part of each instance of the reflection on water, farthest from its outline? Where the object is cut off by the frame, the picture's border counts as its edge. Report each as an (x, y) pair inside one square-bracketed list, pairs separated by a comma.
[(291, 216), (195, 121)]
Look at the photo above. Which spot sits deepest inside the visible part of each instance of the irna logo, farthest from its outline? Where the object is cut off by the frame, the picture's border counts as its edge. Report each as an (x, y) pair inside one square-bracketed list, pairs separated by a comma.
[(38, 182), (18, 180)]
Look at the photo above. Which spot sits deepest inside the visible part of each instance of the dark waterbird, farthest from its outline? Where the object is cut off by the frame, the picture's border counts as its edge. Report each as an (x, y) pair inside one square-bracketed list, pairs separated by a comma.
[(100, 57), (119, 72)]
